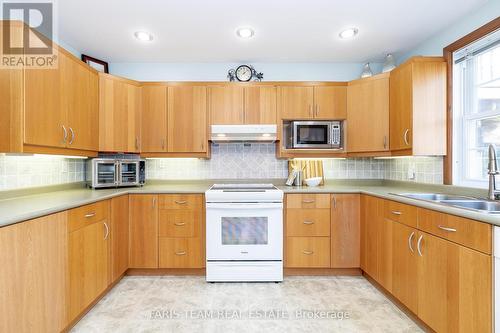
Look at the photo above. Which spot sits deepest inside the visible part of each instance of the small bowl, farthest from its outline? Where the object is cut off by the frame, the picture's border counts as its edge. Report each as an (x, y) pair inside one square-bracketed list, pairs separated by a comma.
[(315, 181)]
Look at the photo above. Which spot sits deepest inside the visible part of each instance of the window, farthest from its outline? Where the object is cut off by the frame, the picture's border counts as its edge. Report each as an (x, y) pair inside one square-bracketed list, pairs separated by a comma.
[(476, 109)]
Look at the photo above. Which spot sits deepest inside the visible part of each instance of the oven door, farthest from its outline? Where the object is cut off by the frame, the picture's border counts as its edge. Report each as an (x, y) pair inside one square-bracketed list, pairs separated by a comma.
[(105, 174), (129, 173), (244, 231), (311, 134)]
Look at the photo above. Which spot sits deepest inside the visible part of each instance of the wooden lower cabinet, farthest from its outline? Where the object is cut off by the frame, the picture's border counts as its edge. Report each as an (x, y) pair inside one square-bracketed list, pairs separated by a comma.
[(404, 265), (88, 258), (119, 236), (370, 220), (180, 253), (143, 228), (454, 286), (345, 231), (308, 252), (33, 275), (308, 222)]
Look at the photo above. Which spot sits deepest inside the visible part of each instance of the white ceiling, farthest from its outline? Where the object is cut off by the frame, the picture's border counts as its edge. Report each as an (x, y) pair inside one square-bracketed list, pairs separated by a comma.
[(285, 30)]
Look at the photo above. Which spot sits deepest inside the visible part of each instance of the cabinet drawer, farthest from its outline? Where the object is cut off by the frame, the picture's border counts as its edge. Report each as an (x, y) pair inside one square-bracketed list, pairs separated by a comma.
[(179, 223), (401, 213), (308, 201), (88, 214), (470, 233), (180, 253), (308, 252), (181, 201), (308, 222)]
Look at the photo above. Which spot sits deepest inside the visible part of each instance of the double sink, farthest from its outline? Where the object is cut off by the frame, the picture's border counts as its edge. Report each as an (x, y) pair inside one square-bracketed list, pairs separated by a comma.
[(474, 204)]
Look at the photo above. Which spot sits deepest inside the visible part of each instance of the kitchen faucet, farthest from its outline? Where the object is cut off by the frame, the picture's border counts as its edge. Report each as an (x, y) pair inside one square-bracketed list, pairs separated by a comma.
[(493, 193)]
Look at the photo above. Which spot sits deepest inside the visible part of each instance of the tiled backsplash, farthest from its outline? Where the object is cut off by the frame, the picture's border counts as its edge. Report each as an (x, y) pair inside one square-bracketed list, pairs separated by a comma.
[(29, 171), (229, 161)]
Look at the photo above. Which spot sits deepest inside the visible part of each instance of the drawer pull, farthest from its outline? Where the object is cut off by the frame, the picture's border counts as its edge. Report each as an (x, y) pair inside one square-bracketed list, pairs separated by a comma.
[(181, 253), (107, 231), (89, 215), (307, 201), (307, 252), (447, 229), (395, 212), (410, 240), (244, 252), (180, 224), (308, 222), (181, 202), (419, 243)]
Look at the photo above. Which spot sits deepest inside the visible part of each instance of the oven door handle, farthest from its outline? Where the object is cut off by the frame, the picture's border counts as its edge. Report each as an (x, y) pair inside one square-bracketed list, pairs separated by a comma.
[(245, 206)]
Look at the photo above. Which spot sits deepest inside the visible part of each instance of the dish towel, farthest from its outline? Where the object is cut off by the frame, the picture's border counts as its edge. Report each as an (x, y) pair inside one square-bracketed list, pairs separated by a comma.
[(310, 168)]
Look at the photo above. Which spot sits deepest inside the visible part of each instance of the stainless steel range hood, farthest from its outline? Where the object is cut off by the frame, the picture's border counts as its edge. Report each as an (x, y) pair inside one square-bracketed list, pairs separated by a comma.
[(230, 133)]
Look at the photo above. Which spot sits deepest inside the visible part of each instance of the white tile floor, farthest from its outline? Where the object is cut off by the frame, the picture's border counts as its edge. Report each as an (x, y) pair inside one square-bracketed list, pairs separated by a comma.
[(148, 304)]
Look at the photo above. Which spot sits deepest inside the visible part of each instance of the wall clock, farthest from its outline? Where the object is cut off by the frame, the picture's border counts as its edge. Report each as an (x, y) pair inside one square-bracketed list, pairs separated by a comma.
[(244, 73)]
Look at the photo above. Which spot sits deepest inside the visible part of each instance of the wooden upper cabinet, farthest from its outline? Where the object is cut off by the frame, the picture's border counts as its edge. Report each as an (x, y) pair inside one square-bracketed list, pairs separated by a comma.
[(296, 102), (226, 105), (80, 95), (368, 114), (260, 105), (330, 102), (418, 107), (44, 116), (119, 114), (187, 119), (154, 119)]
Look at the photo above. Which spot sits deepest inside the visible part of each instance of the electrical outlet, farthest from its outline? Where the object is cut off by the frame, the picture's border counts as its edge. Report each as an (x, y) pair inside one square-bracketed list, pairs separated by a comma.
[(411, 173)]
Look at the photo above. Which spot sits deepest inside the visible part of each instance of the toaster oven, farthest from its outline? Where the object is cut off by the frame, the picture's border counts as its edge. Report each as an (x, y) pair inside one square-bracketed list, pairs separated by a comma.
[(109, 172)]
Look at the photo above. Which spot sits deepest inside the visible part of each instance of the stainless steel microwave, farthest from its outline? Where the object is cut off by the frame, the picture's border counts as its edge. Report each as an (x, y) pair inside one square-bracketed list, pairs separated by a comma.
[(313, 134), (110, 172)]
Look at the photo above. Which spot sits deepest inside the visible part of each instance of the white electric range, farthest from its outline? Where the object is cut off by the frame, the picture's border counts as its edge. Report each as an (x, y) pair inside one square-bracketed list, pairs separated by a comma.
[(244, 230)]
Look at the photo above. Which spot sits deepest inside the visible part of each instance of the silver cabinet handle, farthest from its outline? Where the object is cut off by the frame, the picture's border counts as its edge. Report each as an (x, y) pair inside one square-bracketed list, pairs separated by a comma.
[(162, 143), (308, 222), (154, 202), (65, 134), (418, 245), (181, 202), (311, 110), (107, 231), (137, 143), (447, 229), (395, 212), (334, 199), (317, 111), (410, 240), (180, 224), (405, 136), (244, 252), (89, 215), (72, 136), (308, 201), (181, 253), (385, 141), (307, 252)]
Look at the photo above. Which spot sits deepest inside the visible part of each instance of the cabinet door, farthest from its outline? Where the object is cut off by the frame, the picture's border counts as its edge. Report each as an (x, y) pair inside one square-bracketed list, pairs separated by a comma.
[(260, 105), (119, 236), (369, 248), (226, 105), (187, 119), (154, 119), (33, 275), (143, 239), (401, 109), (345, 231), (88, 265), (80, 101), (113, 115), (384, 249), (454, 286), (134, 118), (404, 265), (330, 102), (44, 117), (368, 115), (180, 253), (296, 102)]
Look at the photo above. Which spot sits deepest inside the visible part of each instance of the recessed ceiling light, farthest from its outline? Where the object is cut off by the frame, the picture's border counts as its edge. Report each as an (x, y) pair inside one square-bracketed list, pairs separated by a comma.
[(348, 33), (143, 36), (245, 32)]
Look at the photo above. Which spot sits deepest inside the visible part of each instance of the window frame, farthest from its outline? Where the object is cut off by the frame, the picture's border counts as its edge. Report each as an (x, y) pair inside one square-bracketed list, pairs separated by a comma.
[(448, 162)]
